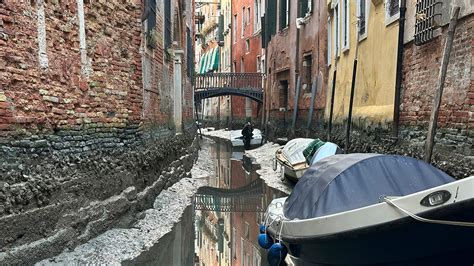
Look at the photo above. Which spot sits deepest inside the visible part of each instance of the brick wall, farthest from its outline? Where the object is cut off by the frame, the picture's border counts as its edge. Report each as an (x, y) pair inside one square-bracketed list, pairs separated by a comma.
[(86, 118), (420, 75), (37, 100), (284, 61)]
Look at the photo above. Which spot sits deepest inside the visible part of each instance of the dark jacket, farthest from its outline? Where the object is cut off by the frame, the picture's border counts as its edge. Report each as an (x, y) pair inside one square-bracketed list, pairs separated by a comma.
[(247, 131)]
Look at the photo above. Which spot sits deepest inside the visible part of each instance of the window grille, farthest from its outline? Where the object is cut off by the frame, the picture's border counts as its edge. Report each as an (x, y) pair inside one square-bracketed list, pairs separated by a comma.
[(428, 16), (362, 17), (393, 8)]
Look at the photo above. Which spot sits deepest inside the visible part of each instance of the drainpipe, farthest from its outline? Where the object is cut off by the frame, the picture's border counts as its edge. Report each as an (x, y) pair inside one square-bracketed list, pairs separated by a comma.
[(398, 78), (297, 75)]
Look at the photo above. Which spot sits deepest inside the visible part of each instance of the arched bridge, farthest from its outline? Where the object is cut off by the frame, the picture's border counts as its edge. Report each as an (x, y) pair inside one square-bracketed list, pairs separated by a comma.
[(219, 84), (244, 199)]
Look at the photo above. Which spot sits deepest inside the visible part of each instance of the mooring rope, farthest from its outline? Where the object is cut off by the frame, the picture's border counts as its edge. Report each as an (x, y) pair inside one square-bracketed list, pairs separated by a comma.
[(425, 220)]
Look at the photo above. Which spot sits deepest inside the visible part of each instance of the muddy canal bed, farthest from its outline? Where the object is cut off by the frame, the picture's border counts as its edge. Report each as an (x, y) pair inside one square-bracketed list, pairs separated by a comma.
[(225, 214)]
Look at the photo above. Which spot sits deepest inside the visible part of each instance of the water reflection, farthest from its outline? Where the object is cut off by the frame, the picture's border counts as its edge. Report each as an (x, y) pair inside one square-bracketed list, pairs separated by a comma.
[(229, 211)]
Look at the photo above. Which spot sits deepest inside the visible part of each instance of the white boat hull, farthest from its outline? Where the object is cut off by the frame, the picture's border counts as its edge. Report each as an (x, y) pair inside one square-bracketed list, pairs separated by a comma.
[(381, 233)]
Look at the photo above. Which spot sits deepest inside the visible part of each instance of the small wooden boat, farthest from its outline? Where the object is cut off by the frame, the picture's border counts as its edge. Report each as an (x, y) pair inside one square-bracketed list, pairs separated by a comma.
[(238, 140), (292, 160), (371, 209)]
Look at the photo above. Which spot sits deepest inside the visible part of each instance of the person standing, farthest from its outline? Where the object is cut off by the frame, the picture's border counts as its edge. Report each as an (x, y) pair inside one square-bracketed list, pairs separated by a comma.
[(247, 134)]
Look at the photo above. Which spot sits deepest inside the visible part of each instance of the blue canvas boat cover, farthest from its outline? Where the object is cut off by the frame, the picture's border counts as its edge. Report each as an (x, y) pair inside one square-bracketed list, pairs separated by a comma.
[(328, 149), (345, 182)]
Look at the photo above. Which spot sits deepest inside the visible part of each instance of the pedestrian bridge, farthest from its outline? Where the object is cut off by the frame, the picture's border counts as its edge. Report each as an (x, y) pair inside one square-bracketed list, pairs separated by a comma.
[(243, 199), (220, 84)]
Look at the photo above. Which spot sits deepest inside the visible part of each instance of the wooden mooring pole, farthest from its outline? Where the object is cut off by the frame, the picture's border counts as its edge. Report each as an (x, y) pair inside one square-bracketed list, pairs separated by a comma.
[(440, 86), (351, 99)]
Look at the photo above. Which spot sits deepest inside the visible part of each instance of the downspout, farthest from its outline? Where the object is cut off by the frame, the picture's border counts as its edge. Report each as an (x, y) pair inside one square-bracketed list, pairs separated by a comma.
[(232, 70), (317, 81), (399, 74), (297, 78)]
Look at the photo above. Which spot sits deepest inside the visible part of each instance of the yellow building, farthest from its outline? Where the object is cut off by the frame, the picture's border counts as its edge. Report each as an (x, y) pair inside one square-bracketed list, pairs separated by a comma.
[(377, 58)]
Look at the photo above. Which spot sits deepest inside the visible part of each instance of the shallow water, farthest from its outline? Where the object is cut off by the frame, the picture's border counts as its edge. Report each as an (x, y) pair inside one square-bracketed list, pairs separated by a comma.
[(228, 212)]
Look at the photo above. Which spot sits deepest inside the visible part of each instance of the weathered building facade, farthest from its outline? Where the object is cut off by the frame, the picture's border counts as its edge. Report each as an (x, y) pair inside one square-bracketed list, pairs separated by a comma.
[(381, 125), (454, 150), (372, 30), (246, 53), (209, 54), (295, 42), (388, 71), (92, 94)]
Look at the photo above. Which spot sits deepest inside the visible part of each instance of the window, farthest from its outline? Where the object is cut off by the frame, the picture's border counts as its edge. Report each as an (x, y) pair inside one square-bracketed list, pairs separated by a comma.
[(243, 22), (428, 19), (329, 41), (362, 15), (247, 45), (234, 29), (257, 259), (257, 23), (284, 13), (306, 73), (167, 36), (150, 22), (283, 93), (233, 249), (345, 24), (189, 53), (392, 11), (248, 16), (305, 7), (259, 64), (246, 230), (336, 25)]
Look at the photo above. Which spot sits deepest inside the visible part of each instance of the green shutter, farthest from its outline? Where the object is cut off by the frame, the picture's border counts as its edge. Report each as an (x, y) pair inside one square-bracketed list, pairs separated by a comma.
[(220, 33), (263, 32), (271, 16), (282, 14)]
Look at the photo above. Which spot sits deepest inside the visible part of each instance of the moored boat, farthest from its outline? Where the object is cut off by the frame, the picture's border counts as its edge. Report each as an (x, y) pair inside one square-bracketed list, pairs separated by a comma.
[(293, 161), (362, 209)]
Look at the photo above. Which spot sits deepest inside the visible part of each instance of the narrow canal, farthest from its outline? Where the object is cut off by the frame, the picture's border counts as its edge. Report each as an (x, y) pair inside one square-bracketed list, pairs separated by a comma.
[(229, 211), (225, 215)]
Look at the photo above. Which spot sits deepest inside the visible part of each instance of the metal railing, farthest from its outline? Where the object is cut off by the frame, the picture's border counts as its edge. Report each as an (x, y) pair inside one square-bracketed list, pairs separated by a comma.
[(229, 80), (244, 199)]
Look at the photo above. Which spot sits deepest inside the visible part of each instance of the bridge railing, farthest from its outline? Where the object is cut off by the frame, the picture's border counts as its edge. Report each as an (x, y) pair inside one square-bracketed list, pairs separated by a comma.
[(228, 80)]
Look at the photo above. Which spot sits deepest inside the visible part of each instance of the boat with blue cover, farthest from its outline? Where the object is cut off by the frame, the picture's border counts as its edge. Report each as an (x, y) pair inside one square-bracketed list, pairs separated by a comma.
[(373, 209)]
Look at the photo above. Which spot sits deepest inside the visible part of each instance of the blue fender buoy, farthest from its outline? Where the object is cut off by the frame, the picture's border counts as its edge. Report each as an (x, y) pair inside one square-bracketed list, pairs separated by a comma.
[(262, 229), (277, 254), (265, 241)]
